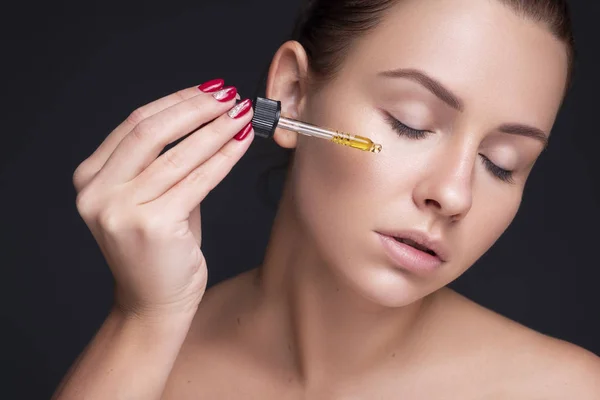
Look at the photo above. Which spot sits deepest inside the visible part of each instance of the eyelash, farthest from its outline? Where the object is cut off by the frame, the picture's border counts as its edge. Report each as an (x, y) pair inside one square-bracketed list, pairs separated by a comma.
[(416, 134), (501, 173), (406, 130)]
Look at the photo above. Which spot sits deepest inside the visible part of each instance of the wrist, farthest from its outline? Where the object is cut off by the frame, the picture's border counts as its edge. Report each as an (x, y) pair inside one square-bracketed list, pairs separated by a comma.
[(154, 314)]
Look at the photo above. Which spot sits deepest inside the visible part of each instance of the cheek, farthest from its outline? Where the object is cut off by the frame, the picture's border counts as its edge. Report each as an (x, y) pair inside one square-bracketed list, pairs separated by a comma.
[(488, 219), (340, 191), (333, 187)]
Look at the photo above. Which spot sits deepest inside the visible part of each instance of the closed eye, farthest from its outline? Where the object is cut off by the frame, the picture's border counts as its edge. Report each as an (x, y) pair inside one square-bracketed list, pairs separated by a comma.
[(412, 133), (500, 173), (405, 130)]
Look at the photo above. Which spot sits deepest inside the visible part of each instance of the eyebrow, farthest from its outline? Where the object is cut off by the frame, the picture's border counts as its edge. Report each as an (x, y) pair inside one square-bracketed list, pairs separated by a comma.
[(429, 83), (527, 131), (456, 103)]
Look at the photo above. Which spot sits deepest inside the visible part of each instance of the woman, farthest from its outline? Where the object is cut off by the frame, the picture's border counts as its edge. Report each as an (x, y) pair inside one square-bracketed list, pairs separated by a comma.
[(351, 300)]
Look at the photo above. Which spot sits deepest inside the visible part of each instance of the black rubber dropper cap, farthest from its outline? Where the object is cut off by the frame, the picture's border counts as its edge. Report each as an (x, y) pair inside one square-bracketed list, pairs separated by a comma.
[(266, 117)]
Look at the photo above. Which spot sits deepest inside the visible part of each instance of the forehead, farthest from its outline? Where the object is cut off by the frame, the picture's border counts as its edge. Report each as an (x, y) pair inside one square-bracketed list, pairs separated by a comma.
[(481, 50)]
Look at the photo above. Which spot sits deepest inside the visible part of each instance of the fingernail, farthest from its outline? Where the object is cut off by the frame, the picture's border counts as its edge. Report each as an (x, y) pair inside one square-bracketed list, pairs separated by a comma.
[(244, 132), (241, 109), (212, 86), (225, 95)]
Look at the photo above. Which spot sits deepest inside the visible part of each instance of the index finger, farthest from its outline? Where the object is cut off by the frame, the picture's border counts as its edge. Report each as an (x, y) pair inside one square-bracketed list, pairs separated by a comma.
[(88, 169)]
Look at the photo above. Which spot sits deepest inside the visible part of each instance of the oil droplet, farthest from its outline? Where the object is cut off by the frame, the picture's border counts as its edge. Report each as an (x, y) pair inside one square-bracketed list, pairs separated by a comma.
[(376, 148)]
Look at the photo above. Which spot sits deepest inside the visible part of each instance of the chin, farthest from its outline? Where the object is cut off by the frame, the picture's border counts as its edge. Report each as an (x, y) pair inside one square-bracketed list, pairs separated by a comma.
[(386, 286)]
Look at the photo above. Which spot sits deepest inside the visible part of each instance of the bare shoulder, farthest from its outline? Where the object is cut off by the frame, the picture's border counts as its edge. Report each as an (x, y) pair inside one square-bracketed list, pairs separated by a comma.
[(225, 304), (530, 363), (571, 371), (217, 346)]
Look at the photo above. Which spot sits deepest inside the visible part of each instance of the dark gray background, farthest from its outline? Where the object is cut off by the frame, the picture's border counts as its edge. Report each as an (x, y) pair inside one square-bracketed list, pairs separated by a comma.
[(73, 71)]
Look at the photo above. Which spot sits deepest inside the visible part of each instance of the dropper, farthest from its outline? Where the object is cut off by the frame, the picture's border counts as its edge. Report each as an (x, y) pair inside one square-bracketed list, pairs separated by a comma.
[(267, 117)]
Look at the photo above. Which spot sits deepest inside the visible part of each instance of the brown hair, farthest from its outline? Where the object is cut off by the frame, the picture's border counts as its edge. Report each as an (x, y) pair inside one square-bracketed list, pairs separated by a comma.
[(327, 28)]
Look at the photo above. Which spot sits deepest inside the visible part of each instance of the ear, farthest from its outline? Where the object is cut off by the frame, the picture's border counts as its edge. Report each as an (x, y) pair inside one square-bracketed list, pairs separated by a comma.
[(287, 83)]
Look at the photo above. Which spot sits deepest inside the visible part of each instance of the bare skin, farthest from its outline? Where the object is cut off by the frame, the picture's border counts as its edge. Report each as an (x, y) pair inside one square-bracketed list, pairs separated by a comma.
[(328, 315), (463, 351)]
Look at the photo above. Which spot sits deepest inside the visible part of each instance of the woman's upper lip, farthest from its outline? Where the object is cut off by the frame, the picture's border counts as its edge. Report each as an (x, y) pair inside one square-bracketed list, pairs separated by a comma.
[(434, 243)]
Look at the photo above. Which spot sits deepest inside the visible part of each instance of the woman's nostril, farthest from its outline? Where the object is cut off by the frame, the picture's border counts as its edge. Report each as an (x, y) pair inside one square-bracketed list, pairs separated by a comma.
[(433, 203)]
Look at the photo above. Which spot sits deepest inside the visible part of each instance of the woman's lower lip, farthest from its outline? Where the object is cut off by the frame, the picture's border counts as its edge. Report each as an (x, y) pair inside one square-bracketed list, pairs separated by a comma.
[(407, 257)]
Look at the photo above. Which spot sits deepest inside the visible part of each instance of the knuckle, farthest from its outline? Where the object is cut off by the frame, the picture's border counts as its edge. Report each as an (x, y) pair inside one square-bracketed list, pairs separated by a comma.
[(145, 130), (180, 94), (85, 203), (197, 176), (197, 103), (110, 220), (136, 116), (227, 155), (174, 158), (218, 129), (152, 225)]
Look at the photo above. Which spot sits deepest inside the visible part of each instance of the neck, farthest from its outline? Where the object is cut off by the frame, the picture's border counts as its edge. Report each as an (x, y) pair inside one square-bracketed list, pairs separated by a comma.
[(328, 328)]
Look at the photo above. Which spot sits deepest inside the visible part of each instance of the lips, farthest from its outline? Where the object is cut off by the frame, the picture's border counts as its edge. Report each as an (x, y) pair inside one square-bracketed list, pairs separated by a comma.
[(416, 245), (428, 243), (414, 251)]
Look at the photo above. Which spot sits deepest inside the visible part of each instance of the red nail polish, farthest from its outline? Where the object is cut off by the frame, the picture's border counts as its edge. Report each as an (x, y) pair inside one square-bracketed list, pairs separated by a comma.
[(241, 109), (212, 86), (226, 94), (244, 132)]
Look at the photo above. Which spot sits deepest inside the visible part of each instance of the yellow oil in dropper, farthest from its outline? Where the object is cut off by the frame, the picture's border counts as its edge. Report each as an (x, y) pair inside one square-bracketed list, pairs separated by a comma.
[(267, 117)]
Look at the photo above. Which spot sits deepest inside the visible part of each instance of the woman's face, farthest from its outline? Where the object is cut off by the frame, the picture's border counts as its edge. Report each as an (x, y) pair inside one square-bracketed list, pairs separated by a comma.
[(472, 84)]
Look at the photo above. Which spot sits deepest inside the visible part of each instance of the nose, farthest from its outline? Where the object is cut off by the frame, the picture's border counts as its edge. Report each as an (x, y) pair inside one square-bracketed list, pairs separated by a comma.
[(446, 186)]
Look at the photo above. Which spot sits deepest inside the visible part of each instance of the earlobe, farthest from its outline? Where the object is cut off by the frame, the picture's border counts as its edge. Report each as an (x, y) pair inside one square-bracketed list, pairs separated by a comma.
[(287, 83)]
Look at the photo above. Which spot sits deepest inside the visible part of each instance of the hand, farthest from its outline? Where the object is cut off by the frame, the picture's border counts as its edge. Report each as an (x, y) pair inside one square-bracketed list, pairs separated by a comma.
[(143, 207)]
